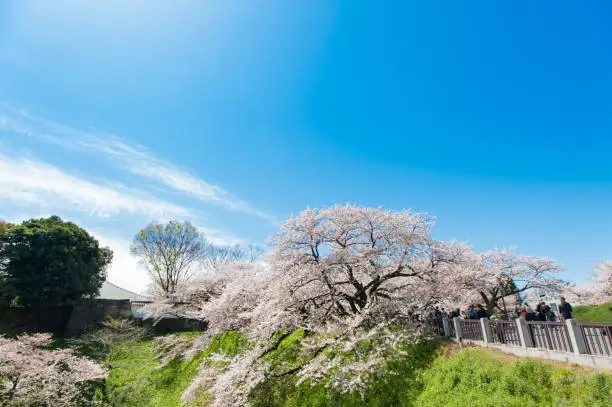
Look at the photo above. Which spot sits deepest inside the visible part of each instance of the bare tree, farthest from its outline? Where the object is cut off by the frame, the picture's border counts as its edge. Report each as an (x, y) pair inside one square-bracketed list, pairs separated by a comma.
[(215, 256), (169, 252)]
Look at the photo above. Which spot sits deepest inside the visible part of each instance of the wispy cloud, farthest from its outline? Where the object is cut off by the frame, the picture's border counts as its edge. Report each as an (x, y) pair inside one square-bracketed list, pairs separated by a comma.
[(136, 159), (28, 181)]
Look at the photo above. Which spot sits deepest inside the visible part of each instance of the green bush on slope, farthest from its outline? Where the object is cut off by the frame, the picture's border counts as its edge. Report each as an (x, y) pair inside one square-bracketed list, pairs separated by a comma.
[(472, 378)]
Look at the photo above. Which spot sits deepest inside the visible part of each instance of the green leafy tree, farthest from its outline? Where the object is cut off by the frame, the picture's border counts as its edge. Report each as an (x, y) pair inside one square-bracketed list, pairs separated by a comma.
[(49, 262)]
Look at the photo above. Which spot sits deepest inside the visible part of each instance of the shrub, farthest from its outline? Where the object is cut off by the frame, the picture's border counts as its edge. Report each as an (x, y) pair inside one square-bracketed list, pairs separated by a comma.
[(113, 334), (474, 378)]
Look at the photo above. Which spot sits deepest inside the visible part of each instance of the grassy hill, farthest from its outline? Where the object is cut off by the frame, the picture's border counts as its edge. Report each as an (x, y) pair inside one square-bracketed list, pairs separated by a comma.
[(597, 313), (430, 374)]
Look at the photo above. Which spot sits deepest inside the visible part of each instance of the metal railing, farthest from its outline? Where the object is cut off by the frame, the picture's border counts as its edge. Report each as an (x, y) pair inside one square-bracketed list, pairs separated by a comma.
[(140, 303), (451, 329), (436, 326), (471, 329), (550, 335), (505, 332), (597, 337)]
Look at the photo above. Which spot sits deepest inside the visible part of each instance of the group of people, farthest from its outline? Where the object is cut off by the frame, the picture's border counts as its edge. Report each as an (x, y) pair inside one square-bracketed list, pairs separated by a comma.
[(543, 312), (472, 312)]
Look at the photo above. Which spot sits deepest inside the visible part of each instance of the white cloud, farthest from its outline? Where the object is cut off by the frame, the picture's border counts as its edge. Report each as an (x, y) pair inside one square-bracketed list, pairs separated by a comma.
[(124, 271), (136, 159), (27, 181)]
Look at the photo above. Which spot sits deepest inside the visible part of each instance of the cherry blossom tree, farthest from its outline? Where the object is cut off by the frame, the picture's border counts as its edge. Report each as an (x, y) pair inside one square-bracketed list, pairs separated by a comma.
[(342, 260), (597, 289), (603, 277), (31, 374), (175, 252), (500, 274), (215, 256), (344, 275), (339, 273)]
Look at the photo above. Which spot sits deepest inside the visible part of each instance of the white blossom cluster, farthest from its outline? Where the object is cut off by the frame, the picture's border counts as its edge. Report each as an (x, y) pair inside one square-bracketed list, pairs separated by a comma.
[(32, 374), (171, 347), (357, 357), (595, 290), (346, 274)]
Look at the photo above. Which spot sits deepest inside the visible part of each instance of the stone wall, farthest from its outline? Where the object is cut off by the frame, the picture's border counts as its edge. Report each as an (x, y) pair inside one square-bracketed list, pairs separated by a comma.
[(167, 325), (16, 321), (88, 314), (62, 321), (85, 316)]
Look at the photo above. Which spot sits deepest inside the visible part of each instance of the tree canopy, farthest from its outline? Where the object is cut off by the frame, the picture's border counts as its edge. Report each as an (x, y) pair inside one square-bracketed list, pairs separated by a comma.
[(49, 262), (172, 252), (168, 252), (351, 275)]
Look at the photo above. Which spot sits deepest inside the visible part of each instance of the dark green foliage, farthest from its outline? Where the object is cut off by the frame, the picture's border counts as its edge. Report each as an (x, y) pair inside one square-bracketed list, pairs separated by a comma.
[(508, 286), (49, 262), (230, 343), (596, 313)]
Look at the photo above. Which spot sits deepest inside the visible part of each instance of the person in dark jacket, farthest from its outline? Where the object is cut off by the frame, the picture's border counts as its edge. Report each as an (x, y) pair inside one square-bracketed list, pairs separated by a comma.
[(565, 309), (550, 316), (541, 311), (471, 313), (481, 312)]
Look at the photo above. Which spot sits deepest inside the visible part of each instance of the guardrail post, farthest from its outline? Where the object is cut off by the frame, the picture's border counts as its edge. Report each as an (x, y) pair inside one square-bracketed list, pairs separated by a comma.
[(576, 337), (523, 331), (487, 334), (457, 322), (446, 326)]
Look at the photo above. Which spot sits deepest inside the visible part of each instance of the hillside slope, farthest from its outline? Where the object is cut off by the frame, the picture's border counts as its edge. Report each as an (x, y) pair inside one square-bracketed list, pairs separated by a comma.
[(428, 374)]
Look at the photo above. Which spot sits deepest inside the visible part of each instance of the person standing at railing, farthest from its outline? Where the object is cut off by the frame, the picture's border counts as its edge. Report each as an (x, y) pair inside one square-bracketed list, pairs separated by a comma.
[(471, 314), (521, 312), (481, 312), (565, 309), (550, 315), (528, 312), (544, 313)]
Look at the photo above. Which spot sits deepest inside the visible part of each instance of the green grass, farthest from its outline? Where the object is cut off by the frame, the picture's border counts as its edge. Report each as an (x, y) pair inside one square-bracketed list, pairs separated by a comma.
[(425, 378), (428, 376), (597, 313), (398, 386), (474, 378), (137, 378)]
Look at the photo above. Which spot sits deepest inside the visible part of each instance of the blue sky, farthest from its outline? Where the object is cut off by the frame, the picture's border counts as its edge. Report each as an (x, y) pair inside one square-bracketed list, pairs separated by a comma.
[(493, 116)]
